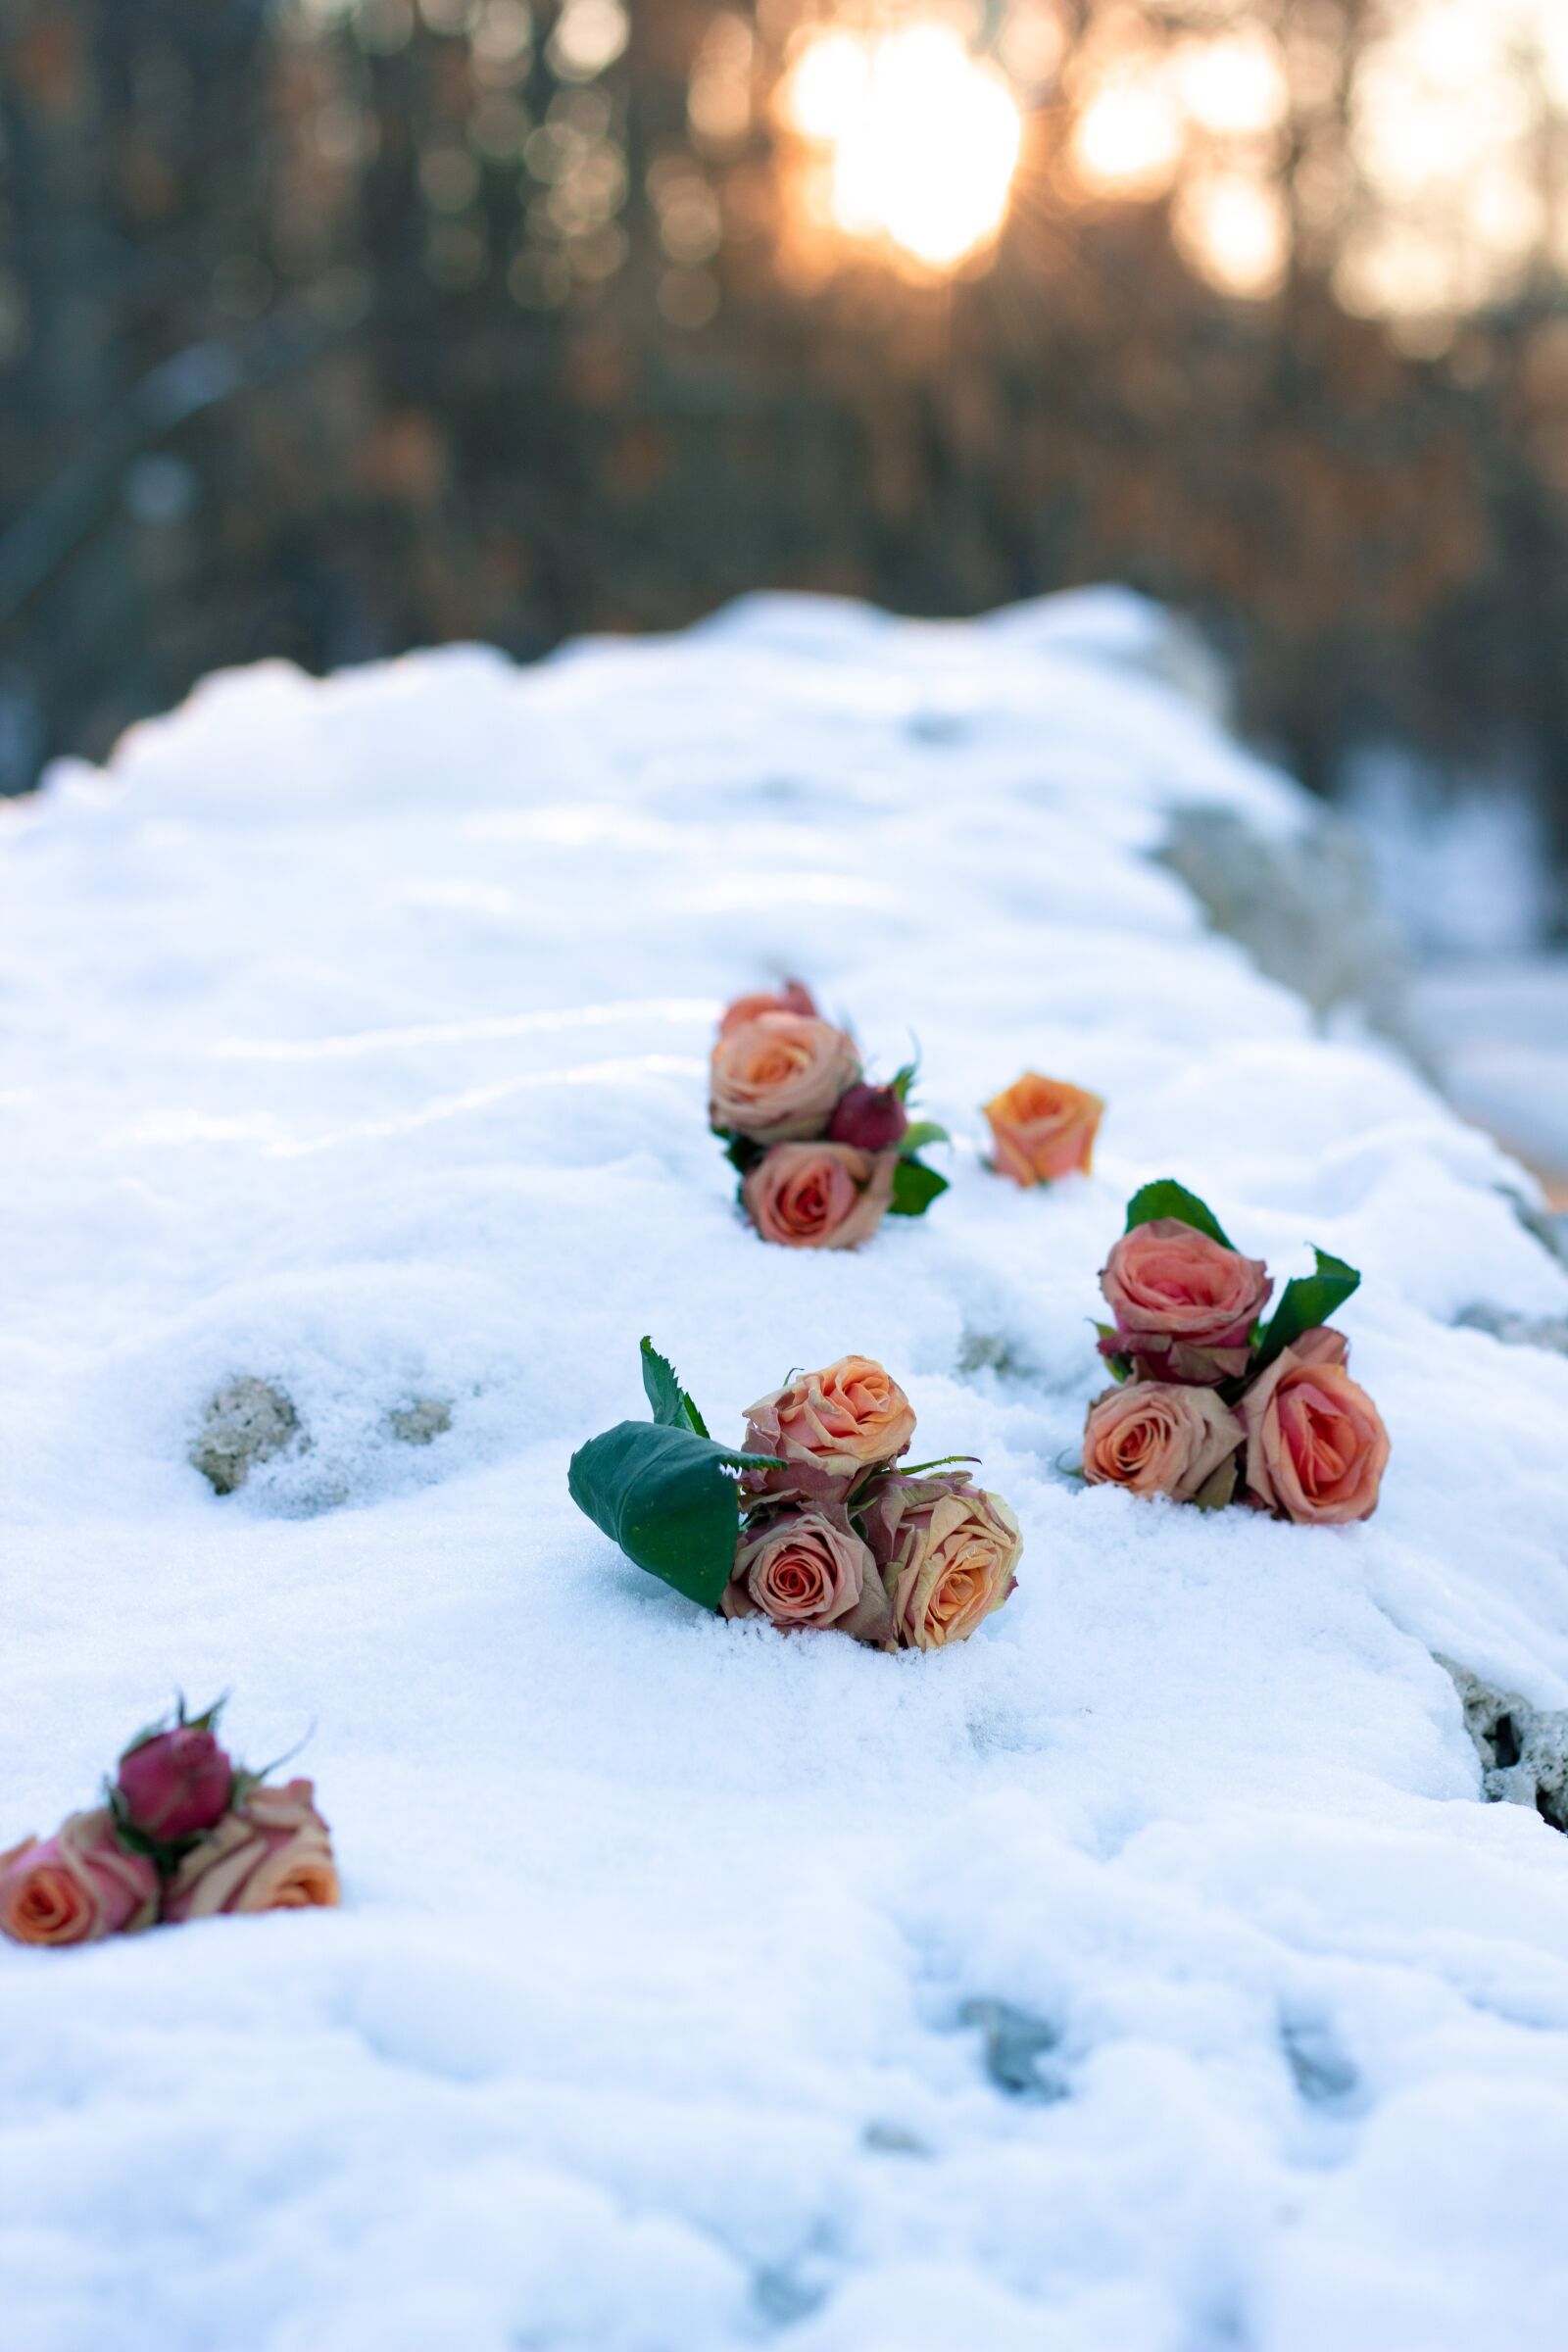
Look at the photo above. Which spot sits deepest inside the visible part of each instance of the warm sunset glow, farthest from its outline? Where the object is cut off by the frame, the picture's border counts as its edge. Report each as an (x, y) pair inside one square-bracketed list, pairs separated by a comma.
[(922, 139), (1128, 139)]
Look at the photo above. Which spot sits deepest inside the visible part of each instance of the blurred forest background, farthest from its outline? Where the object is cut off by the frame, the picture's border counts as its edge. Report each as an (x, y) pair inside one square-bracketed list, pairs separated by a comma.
[(329, 328)]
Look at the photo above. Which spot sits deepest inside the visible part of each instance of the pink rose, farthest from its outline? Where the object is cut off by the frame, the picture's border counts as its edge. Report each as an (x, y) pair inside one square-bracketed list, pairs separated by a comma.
[(1185, 1305), (828, 1428), (1158, 1439), (1044, 1128), (1316, 1447), (270, 1853), (818, 1195), (76, 1886), (175, 1782), (793, 996), (872, 1118), (777, 1078), (947, 1555), (810, 1567)]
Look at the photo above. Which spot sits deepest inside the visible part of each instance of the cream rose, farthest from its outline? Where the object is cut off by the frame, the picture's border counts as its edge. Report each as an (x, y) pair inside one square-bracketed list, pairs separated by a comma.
[(818, 1195), (777, 1078), (1316, 1447), (793, 996), (1154, 1438), (947, 1555), (1184, 1304), (828, 1428), (1044, 1128), (809, 1568), (270, 1853), (76, 1886)]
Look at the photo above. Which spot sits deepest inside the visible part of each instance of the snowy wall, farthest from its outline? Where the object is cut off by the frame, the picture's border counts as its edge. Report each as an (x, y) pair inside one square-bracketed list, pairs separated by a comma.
[(1145, 1974)]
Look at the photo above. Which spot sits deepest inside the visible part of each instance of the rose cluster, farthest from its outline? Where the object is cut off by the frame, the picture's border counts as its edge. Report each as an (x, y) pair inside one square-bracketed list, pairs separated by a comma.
[(835, 1533), (183, 1834), (822, 1154), (1213, 1405)]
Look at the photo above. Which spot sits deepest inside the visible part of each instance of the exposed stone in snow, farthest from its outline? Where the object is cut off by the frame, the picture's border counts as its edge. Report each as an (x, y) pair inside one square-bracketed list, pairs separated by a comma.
[(246, 1423), (1523, 1749)]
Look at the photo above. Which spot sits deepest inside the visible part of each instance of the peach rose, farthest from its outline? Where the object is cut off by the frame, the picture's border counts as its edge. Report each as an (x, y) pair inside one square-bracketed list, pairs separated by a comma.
[(818, 1195), (810, 1567), (947, 1552), (1184, 1304), (793, 996), (1316, 1447), (828, 1428), (1044, 1128), (1154, 1438), (777, 1078), (270, 1853), (76, 1886)]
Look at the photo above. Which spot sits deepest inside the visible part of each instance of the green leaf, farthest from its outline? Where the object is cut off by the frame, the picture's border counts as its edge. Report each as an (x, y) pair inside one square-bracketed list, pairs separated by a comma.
[(1218, 1488), (666, 1399), (914, 1187), (923, 1131), (902, 1080), (1307, 1302), (1165, 1198), (1118, 1366), (669, 1498)]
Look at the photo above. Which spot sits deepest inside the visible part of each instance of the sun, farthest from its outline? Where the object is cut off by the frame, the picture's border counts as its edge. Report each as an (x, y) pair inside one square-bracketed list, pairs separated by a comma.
[(922, 138)]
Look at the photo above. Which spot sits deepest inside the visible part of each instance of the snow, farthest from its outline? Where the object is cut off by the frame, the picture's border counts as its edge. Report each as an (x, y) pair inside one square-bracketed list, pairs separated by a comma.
[(355, 1038)]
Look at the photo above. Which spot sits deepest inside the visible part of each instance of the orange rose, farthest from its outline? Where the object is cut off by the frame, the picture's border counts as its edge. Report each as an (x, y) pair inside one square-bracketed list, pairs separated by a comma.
[(270, 1853), (947, 1555), (1154, 1438), (809, 1568), (777, 1078), (1184, 1304), (828, 1428), (1044, 1128), (1316, 1447), (76, 1886), (793, 996), (818, 1195)]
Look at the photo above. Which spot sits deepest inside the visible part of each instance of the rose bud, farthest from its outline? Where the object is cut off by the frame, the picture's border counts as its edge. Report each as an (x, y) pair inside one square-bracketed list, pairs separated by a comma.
[(809, 1568), (1185, 1305), (1154, 1438), (793, 996), (818, 1195), (947, 1555), (77, 1887), (270, 1853), (828, 1429), (1316, 1447), (872, 1118), (175, 1782), (1043, 1129), (777, 1078)]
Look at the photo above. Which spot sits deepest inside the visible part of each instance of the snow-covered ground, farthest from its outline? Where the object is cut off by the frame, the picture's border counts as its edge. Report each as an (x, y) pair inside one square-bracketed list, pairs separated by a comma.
[(354, 1038), (1498, 1032)]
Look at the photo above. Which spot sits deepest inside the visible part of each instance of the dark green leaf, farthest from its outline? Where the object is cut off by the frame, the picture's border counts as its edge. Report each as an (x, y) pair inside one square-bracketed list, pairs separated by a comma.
[(1118, 1366), (903, 1080), (669, 1498), (1165, 1198), (921, 1132), (667, 1399), (1307, 1302), (914, 1187)]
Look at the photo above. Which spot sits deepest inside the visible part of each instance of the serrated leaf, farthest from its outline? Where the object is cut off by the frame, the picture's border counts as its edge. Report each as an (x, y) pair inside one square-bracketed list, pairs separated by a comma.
[(668, 1401), (1304, 1304), (1165, 1198), (669, 1499), (914, 1187), (919, 1134)]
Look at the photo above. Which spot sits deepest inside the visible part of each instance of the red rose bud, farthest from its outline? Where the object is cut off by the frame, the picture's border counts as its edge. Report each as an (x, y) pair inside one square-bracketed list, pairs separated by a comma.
[(175, 1783), (872, 1118)]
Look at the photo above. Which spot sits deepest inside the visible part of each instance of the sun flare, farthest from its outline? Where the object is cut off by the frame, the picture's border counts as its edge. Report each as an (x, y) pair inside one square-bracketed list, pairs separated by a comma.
[(921, 139)]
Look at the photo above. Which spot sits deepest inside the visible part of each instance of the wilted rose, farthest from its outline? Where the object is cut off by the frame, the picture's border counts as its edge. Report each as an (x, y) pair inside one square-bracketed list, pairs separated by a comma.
[(810, 1567), (1184, 1304), (1316, 1447), (1156, 1438), (874, 1117), (777, 1079), (1044, 1128), (270, 1853), (76, 1886), (793, 996), (947, 1555), (175, 1782), (828, 1428), (818, 1195)]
